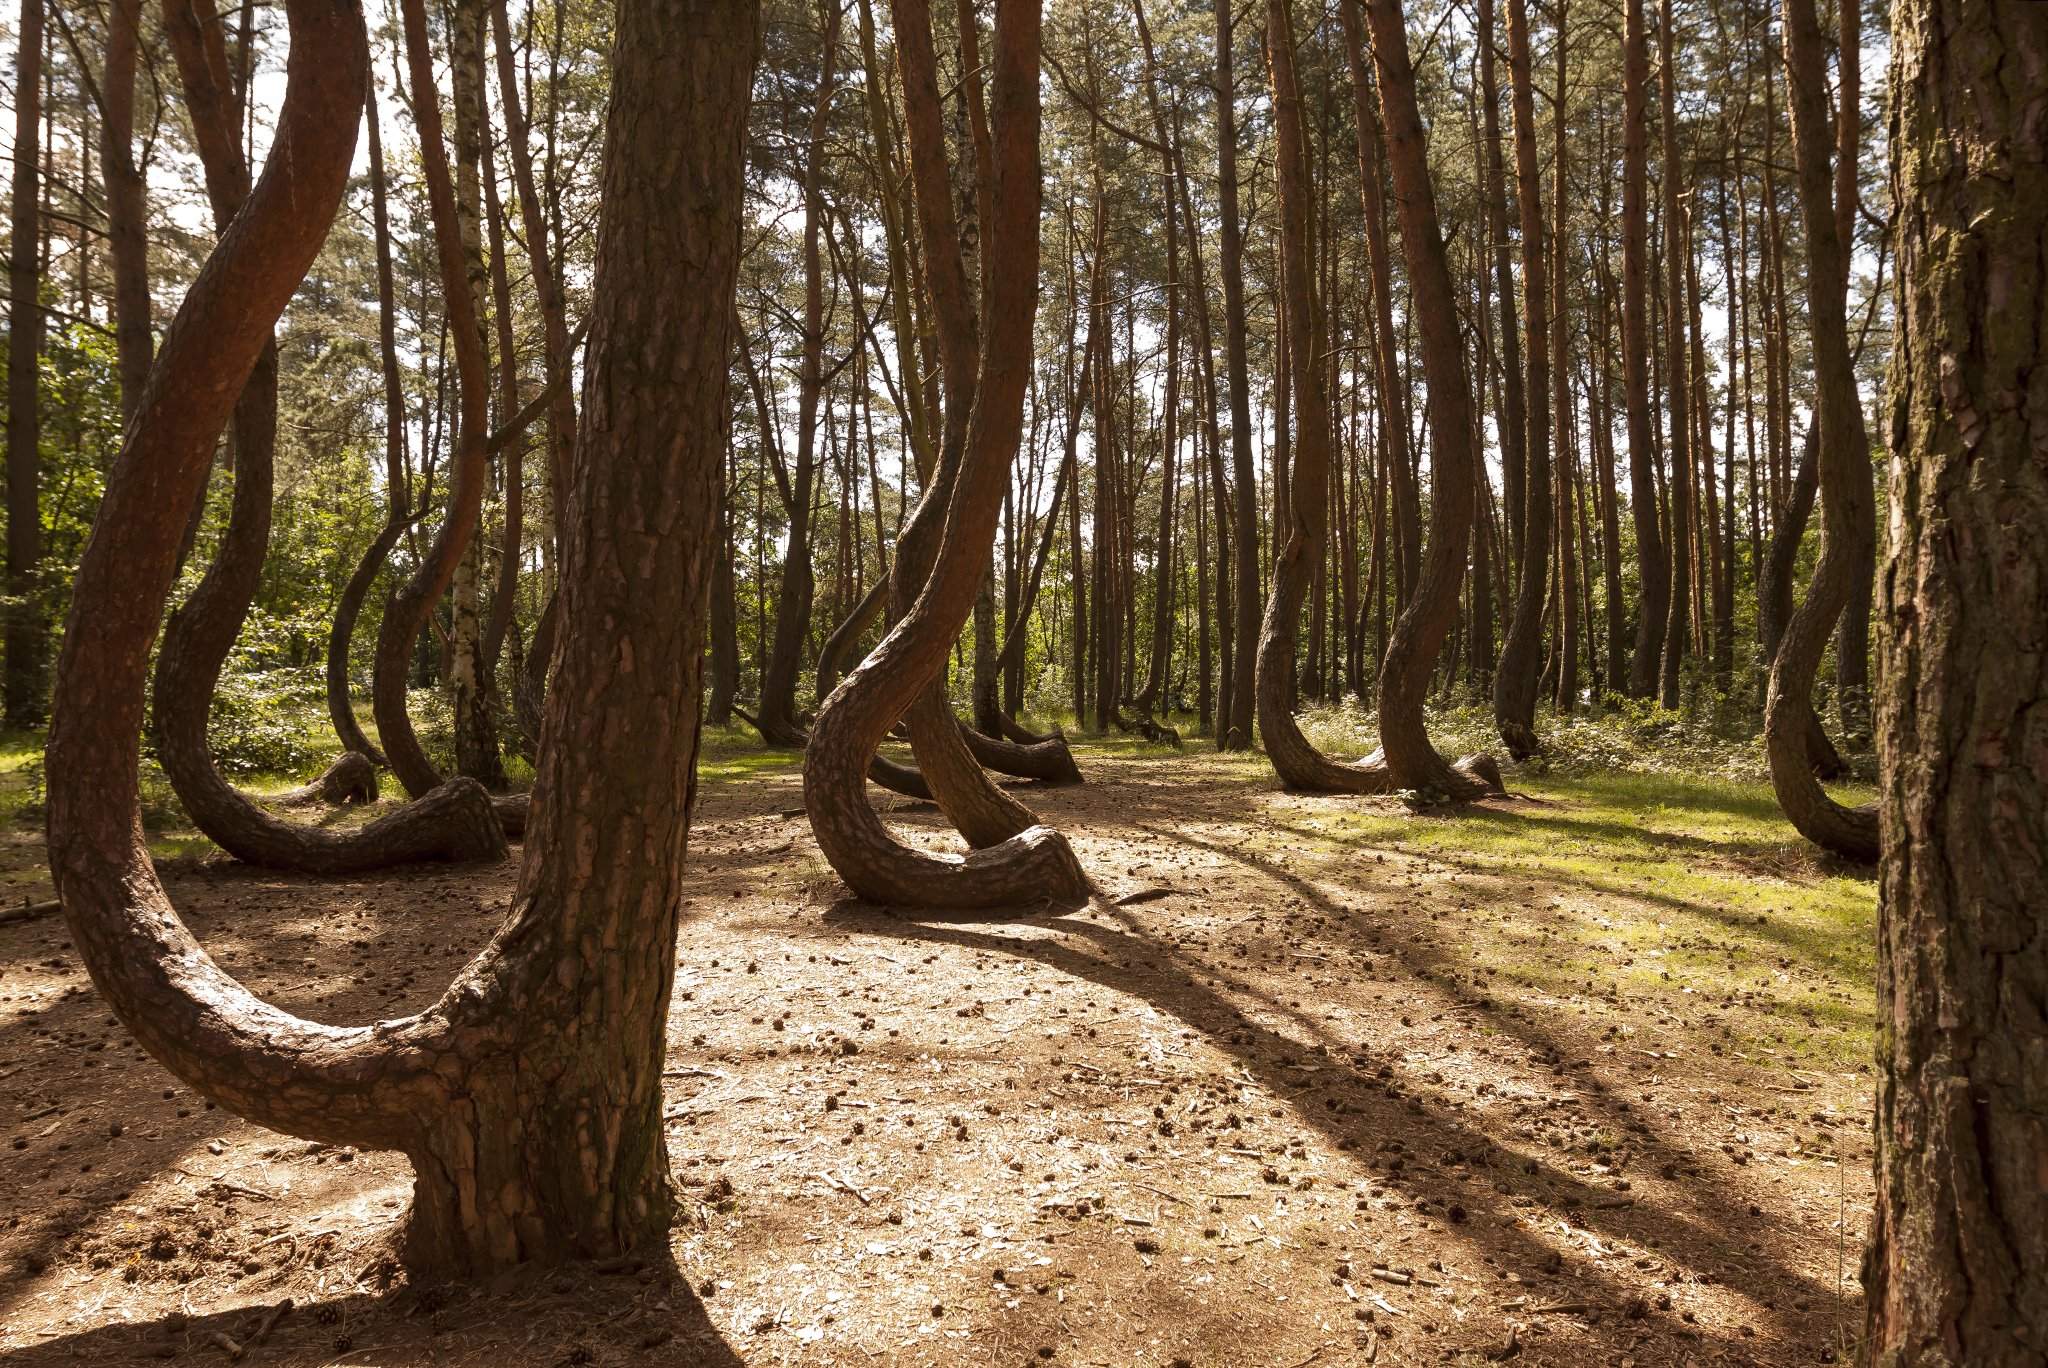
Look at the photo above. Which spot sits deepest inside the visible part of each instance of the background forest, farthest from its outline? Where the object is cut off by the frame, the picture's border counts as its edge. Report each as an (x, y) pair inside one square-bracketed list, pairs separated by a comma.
[(1157, 422)]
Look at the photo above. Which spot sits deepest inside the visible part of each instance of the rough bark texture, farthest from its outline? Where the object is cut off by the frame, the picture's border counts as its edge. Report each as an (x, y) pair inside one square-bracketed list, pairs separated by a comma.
[(529, 1096), (1844, 469), (1957, 1271), (1036, 863), (1521, 652)]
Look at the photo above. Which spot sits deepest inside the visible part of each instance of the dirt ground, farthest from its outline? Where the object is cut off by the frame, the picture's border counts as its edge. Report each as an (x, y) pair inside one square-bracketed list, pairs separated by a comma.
[(1294, 1104)]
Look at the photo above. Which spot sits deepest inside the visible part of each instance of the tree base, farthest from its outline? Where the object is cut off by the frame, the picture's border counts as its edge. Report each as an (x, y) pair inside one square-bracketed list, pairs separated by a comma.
[(352, 778)]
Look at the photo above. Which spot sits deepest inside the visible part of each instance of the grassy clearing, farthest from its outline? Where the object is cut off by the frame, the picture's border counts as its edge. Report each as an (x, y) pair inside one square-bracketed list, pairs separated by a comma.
[(1680, 902)]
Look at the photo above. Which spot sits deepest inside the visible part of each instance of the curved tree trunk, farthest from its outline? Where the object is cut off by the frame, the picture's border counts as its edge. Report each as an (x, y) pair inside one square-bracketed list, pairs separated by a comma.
[(351, 779), (833, 653), (1516, 681), (1298, 763), (1035, 863), (1774, 594), (407, 610), (1844, 470), (1454, 454), (1957, 1269), (397, 485), (529, 1097), (201, 633)]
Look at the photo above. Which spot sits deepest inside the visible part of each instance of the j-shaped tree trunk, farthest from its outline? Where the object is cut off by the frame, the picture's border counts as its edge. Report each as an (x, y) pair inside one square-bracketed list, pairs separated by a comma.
[(1775, 589), (1844, 468), (453, 823), (1957, 1270), (1516, 680), (529, 1097), (984, 814), (1298, 763), (1035, 863), (341, 708), (1455, 468), (407, 610)]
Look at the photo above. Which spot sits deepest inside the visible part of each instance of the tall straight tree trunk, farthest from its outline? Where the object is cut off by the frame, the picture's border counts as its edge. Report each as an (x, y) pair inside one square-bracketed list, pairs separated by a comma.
[(127, 201), (725, 608), (27, 636), (1521, 657), (1678, 622), (1566, 461), (1957, 1269), (1407, 504), (1653, 572), (1236, 732), (778, 719), (535, 233), (1514, 404), (476, 733)]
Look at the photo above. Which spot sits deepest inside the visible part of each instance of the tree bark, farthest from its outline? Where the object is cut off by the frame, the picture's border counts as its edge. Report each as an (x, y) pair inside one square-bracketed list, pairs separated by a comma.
[(27, 645), (529, 1096), (1844, 469), (1678, 622), (127, 201), (1035, 863), (779, 724), (407, 610), (1515, 682), (1235, 732), (341, 707), (547, 282), (477, 753), (1419, 633), (1957, 1269)]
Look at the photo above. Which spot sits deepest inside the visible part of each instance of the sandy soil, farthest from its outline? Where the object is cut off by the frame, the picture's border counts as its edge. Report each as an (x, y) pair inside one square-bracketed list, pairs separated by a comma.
[(1270, 1113)]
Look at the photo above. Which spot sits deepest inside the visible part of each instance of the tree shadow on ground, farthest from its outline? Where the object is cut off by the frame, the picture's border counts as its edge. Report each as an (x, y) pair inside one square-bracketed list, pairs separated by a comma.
[(615, 1312), (1368, 1101)]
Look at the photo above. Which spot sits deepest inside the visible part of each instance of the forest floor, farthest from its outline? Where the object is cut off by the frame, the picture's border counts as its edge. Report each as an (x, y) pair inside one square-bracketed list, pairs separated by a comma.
[(1577, 1077)]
